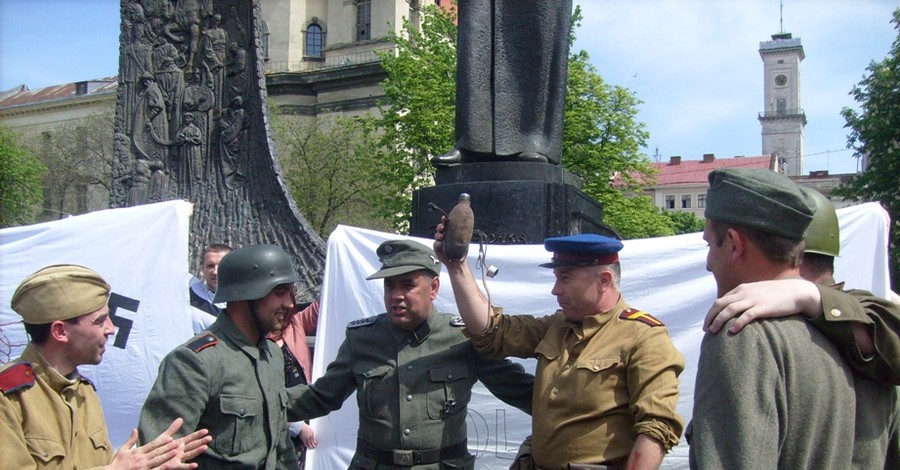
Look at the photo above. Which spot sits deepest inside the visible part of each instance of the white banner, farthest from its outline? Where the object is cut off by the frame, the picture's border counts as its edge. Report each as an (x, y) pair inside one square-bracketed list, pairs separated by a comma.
[(664, 276), (143, 253)]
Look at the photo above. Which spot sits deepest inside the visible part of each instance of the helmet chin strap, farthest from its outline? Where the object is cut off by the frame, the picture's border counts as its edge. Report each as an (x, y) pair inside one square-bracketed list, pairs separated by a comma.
[(255, 317)]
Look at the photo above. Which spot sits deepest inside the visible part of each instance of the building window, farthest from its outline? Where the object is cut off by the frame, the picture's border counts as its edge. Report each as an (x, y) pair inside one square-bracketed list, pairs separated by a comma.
[(315, 41), (701, 201), (685, 201), (670, 202), (363, 20), (781, 106), (264, 35)]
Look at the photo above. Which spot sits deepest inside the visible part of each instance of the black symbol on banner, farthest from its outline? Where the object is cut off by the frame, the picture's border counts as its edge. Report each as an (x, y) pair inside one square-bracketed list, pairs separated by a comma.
[(117, 301)]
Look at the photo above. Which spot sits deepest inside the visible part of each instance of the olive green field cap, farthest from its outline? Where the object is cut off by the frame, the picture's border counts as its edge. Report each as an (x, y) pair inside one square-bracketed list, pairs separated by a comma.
[(404, 256), (251, 272), (759, 199), (59, 292), (824, 233)]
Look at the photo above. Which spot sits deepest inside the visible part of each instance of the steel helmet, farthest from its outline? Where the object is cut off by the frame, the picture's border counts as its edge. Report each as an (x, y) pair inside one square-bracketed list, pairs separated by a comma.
[(251, 272), (824, 234)]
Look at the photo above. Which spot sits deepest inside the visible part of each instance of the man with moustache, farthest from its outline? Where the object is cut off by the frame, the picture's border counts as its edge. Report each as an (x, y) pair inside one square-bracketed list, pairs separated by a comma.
[(230, 379), (412, 370)]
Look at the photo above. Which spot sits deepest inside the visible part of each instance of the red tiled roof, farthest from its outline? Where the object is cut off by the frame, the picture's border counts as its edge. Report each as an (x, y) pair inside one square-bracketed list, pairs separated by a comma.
[(697, 171), (56, 92)]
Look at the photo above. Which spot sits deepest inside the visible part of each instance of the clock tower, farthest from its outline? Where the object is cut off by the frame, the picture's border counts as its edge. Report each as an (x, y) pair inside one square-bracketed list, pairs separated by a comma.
[(782, 118)]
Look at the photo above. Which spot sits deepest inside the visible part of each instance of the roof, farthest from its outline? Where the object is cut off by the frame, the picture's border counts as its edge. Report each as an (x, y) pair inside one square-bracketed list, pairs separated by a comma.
[(677, 171), (22, 96)]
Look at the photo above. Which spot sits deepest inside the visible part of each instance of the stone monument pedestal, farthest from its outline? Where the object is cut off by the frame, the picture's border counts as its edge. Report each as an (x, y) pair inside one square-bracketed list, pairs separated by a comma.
[(513, 202)]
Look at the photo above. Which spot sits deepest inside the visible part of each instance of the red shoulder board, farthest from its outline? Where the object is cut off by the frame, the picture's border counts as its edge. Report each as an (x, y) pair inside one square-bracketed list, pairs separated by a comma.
[(16, 377), (199, 343), (643, 317)]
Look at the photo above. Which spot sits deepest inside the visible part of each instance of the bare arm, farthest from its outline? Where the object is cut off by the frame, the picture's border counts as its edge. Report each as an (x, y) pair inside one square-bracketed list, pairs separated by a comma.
[(647, 454), (472, 304), (164, 452)]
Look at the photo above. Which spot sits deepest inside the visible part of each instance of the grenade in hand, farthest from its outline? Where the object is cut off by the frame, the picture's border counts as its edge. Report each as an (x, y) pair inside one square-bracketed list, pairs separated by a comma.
[(458, 229)]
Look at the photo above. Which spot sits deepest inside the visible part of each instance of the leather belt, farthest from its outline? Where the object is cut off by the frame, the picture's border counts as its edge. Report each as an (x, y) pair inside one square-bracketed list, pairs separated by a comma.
[(410, 457)]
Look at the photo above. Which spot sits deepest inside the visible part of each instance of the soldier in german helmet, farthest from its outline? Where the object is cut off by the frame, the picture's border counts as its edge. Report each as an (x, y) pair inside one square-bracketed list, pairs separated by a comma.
[(413, 371), (50, 415), (230, 378)]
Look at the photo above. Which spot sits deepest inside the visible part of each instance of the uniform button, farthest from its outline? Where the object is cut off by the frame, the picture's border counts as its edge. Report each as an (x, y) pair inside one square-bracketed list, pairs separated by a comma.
[(45, 453), (242, 412), (835, 312), (409, 367), (566, 367), (409, 398), (406, 432), (449, 376)]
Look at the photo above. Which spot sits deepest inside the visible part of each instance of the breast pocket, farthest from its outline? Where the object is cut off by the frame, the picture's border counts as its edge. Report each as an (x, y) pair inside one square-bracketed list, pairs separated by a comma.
[(45, 451), (601, 377), (449, 388), (371, 379), (235, 427)]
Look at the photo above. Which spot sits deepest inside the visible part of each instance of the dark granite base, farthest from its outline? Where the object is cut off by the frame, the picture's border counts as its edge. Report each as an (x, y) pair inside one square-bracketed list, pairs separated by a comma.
[(514, 203)]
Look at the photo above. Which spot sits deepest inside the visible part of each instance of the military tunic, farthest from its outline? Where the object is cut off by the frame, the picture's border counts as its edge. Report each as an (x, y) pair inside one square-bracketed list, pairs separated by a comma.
[(57, 423), (413, 387), (232, 387), (599, 383), (842, 309)]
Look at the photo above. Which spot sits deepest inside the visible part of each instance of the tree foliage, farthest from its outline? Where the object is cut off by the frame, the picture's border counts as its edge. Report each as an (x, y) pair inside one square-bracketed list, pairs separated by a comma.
[(328, 164), (20, 181), (602, 136), (78, 155), (875, 135)]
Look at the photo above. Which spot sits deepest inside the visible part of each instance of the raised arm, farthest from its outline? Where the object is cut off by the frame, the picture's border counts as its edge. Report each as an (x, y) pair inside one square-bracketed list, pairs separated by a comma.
[(470, 301)]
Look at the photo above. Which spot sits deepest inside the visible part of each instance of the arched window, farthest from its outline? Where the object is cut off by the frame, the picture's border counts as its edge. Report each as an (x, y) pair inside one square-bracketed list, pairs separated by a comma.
[(315, 41), (363, 20), (264, 36)]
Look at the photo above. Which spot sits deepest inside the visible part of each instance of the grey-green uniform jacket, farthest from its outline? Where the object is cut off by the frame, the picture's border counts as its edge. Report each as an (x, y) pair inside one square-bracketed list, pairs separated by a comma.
[(413, 387), (232, 387)]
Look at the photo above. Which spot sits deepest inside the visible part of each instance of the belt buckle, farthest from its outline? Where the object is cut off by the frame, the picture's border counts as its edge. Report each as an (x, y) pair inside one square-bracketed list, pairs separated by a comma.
[(403, 457)]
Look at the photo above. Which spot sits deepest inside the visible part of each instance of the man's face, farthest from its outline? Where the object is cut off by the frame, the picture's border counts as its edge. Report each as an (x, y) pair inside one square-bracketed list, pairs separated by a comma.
[(717, 260), (88, 335), (408, 298), (272, 309), (577, 290), (210, 268)]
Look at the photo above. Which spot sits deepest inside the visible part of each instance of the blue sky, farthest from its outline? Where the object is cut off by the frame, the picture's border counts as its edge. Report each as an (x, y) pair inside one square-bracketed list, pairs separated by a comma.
[(694, 63)]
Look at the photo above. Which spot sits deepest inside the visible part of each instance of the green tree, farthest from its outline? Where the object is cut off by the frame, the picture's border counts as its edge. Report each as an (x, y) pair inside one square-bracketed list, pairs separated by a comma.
[(602, 136), (327, 164), (78, 155), (20, 181), (685, 222), (875, 135)]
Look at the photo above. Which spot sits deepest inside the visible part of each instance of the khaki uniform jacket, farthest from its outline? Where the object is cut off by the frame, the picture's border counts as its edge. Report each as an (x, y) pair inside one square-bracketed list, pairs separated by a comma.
[(599, 384), (55, 424), (841, 309), (235, 389), (412, 387)]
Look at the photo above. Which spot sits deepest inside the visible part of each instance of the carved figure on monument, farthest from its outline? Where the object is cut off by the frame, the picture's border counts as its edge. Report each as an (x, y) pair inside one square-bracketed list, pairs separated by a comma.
[(187, 22), (137, 61), (235, 26), (213, 54), (237, 71), (512, 67), (232, 144), (190, 160), (151, 128), (199, 100), (170, 79)]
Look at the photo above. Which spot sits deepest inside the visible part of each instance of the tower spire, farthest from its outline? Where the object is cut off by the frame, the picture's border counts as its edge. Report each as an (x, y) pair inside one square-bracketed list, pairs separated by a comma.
[(781, 16)]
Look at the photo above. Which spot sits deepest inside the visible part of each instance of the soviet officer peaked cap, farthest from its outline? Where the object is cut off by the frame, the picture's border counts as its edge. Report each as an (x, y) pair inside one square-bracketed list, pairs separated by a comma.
[(587, 249), (405, 256), (59, 292)]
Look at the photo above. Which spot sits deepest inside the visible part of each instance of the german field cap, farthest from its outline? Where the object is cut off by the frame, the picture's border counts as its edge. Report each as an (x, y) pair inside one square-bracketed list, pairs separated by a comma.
[(587, 249), (59, 292), (404, 256), (759, 199)]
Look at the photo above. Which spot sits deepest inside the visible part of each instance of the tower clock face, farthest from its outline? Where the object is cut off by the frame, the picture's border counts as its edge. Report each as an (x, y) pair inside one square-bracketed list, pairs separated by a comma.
[(780, 80)]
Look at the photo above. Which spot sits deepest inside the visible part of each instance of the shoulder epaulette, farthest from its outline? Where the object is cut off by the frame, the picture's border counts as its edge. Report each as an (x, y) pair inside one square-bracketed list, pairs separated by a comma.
[(641, 316), (201, 342), (361, 322), (457, 322), (16, 377)]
